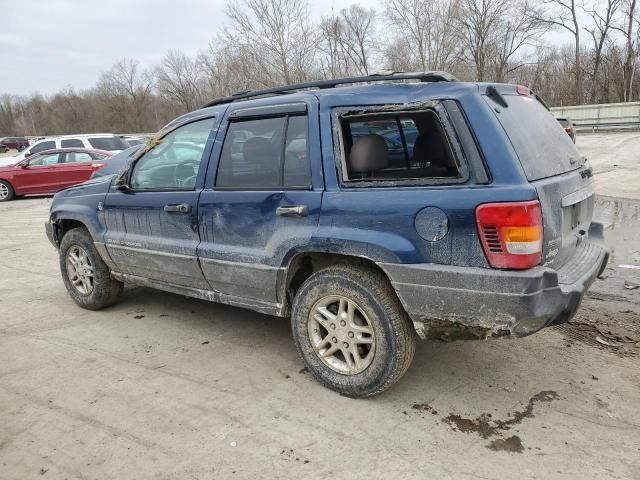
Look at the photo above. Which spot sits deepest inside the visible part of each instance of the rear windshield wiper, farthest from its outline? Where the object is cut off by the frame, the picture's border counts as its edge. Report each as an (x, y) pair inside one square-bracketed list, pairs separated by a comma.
[(496, 96)]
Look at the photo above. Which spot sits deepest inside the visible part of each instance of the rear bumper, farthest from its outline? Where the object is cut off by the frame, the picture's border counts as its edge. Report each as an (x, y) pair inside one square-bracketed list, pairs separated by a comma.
[(463, 302)]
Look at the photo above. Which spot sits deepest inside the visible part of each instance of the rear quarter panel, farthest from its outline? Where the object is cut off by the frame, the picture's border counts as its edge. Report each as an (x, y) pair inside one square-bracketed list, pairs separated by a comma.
[(378, 223)]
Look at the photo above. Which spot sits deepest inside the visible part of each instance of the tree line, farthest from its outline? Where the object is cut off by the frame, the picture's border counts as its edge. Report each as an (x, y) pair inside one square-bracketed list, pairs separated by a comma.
[(569, 51)]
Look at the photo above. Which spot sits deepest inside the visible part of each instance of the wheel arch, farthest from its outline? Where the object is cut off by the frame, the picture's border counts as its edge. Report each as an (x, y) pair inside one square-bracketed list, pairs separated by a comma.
[(64, 225), (304, 264)]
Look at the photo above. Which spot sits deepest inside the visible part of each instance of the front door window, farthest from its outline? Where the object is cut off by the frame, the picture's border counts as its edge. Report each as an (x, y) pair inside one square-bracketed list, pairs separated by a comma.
[(173, 164)]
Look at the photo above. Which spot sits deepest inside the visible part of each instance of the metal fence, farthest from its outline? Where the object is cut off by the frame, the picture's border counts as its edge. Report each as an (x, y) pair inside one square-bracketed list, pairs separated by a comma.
[(604, 116)]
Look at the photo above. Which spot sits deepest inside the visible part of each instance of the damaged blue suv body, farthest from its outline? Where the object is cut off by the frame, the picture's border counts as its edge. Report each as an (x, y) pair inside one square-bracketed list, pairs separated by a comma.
[(369, 210)]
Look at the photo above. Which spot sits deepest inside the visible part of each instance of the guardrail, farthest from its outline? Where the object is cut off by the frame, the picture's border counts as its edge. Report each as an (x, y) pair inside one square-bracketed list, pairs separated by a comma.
[(612, 116)]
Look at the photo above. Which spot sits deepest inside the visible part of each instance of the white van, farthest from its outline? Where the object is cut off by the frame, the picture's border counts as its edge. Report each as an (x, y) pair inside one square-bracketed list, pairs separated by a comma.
[(98, 141)]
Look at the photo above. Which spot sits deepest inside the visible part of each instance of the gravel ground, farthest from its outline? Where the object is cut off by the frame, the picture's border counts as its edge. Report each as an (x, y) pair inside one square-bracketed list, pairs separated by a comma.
[(161, 386), (615, 158)]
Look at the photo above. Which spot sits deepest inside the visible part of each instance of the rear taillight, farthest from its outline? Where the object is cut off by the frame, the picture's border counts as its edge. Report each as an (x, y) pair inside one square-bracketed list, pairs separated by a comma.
[(511, 233), (98, 165), (567, 129)]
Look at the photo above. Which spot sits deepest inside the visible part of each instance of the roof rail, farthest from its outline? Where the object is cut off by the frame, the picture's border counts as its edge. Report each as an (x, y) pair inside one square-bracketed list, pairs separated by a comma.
[(384, 76)]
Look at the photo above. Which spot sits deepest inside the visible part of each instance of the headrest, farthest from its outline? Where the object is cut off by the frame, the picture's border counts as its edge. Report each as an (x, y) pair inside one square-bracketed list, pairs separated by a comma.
[(429, 147), (369, 154), (256, 147)]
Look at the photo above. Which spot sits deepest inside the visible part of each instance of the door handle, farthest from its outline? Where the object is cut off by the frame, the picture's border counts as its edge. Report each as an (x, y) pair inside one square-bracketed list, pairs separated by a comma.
[(293, 211), (178, 208)]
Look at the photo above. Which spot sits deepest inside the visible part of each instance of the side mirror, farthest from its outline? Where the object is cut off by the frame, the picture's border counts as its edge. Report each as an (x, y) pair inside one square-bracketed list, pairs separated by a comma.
[(122, 181)]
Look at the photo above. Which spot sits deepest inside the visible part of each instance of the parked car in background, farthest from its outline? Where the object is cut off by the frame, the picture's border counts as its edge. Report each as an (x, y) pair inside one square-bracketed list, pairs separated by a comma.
[(115, 163), (99, 141), (568, 126), (15, 143), (49, 171), (3, 149), (133, 140), (293, 201)]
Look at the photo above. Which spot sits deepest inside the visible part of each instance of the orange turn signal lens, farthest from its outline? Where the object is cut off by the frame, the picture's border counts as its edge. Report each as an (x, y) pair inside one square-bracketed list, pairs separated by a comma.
[(522, 234)]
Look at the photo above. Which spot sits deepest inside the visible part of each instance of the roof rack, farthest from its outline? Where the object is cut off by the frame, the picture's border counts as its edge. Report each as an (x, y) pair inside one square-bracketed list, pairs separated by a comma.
[(385, 76)]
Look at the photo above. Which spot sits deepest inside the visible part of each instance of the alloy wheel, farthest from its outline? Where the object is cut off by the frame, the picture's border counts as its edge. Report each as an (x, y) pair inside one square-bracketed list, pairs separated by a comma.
[(79, 269), (341, 334)]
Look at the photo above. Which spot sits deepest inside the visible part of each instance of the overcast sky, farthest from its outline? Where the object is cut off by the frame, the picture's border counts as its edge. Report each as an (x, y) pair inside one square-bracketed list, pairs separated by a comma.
[(46, 45)]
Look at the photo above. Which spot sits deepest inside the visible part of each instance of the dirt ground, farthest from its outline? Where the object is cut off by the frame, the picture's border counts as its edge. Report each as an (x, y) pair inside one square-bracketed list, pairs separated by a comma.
[(161, 386)]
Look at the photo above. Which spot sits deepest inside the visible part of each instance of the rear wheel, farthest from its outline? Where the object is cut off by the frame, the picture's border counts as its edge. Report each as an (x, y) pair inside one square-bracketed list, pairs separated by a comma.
[(352, 331), (6, 191), (86, 277)]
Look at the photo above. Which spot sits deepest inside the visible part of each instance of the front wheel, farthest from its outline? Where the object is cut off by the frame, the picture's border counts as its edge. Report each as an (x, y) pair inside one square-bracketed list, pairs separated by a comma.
[(351, 330), (86, 276)]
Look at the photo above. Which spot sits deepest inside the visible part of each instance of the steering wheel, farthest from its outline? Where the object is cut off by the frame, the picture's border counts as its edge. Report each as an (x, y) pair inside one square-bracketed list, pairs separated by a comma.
[(186, 172)]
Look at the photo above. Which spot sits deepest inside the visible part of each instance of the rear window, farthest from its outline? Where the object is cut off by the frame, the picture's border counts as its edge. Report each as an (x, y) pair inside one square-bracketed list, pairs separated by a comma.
[(108, 143), (542, 145), (403, 146), (71, 143), (42, 146)]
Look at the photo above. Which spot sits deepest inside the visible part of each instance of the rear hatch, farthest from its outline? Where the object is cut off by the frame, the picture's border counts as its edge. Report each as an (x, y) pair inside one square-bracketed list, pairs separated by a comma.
[(553, 165)]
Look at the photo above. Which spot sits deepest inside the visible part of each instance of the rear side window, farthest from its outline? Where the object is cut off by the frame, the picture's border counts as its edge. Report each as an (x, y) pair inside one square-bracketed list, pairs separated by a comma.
[(266, 153), (40, 147), (108, 143), (71, 143), (76, 157), (543, 147), (396, 147)]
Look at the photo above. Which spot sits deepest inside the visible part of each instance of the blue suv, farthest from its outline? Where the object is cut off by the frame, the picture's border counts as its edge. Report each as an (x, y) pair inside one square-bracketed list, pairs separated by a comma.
[(370, 210)]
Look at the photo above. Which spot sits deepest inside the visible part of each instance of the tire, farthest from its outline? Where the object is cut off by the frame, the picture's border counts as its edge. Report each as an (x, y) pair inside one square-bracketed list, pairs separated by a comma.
[(100, 290), (389, 344), (6, 191)]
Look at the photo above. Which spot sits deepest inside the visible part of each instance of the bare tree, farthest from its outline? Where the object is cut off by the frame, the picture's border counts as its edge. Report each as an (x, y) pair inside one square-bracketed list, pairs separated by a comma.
[(564, 14), (126, 89), (348, 41), (228, 69), (424, 36), (479, 23), (517, 31), (332, 60), (603, 22), (631, 44), (267, 43), (179, 79), (274, 37)]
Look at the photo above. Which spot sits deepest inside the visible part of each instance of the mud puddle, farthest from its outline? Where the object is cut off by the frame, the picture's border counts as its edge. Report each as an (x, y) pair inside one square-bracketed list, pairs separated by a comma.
[(495, 429)]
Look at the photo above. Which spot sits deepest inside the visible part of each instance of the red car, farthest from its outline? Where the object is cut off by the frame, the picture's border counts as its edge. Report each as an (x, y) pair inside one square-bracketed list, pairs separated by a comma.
[(17, 143), (49, 171)]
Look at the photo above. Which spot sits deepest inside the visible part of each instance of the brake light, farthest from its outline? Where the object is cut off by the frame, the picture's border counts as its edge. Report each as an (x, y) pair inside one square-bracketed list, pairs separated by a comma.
[(522, 90), (567, 129), (98, 165), (511, 233)]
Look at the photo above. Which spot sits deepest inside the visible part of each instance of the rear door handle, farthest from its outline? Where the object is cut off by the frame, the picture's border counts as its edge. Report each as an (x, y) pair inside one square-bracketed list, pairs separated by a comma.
[(178, 208), (293, 211)]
